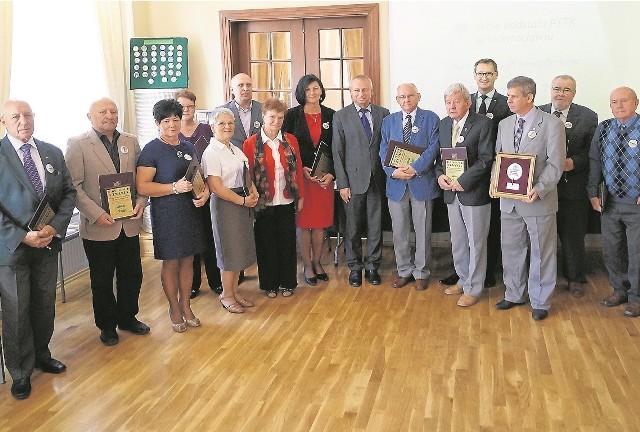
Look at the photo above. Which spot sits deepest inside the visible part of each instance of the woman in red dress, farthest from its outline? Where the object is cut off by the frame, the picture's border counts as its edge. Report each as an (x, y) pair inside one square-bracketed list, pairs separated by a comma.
[(311, 123)]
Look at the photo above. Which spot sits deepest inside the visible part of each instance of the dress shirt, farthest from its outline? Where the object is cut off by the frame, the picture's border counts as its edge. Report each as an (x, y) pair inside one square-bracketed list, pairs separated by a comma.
[(564, 113), (245, 117), (278, 181), (227, 163), (35, 155), (367, 114), (413, 117), (487, 101), (528, 121)]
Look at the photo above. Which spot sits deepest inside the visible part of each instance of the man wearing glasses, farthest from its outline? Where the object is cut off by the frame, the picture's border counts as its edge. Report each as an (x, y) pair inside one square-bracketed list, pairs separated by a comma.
[(412, 187), (573, 211), (487, 101)]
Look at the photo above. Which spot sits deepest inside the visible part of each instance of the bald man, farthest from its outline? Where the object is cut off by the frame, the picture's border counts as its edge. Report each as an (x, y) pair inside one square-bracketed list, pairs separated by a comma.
[(112, 246), (31, 171), (247, 112), (614, 159)]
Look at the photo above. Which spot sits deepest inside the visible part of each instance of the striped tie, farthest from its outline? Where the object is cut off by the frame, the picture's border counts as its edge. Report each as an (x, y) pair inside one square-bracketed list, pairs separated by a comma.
[(32, 171), (518, 135), (406, 130)]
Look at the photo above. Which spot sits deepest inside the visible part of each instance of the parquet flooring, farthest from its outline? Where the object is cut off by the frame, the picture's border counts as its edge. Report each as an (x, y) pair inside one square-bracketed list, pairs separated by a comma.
[(336, 358)]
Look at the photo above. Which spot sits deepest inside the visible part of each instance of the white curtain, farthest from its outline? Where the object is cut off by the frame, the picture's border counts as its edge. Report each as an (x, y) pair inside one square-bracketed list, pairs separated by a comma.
[(6, 30), (115, 19)]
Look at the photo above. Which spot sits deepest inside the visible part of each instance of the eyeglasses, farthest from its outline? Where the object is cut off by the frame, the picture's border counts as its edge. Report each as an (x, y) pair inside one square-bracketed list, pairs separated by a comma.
[(188, 107), (485, 74), (405, 97), (565, 90)]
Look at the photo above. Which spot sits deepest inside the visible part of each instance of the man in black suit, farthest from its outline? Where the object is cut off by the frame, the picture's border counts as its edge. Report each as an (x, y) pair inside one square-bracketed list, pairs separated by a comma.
[(573, 211), (487, 101), (467, 195), (360, 178), (30, 171)]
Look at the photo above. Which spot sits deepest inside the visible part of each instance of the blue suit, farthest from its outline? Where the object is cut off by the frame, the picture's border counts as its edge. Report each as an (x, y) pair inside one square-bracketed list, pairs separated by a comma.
[(413, 208)]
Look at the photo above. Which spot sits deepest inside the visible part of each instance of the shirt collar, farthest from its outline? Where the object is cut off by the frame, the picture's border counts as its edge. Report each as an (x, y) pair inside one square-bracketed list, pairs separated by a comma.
[(489, 94), (102, 136), (528, 117), (412, 114), (240, 109), (265, 138), (357, 107), (462, 121), (628, 122), (565, 112), (16, 143)]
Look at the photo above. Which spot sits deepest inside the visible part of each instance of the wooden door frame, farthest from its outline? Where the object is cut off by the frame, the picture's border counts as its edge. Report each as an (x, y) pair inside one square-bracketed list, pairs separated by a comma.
[(369, 10)]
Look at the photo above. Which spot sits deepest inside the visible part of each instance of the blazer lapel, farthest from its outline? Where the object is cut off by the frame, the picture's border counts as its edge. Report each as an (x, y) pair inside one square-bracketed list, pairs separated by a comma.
[(256, 116), (446, 132), (101, 152), (492, 104), (532, 134), (125, 158), (14, 163)]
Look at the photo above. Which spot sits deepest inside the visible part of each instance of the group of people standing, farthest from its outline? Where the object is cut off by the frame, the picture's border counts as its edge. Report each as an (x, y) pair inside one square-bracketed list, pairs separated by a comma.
[(259, 196)]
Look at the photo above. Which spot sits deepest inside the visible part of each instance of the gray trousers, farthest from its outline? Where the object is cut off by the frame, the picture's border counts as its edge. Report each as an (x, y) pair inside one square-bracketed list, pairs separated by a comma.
[(405, 213), (469, 226), (364, 209)]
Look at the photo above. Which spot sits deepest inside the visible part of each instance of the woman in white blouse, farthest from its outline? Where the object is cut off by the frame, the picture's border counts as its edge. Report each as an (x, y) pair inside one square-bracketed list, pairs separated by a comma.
[(232, 201)]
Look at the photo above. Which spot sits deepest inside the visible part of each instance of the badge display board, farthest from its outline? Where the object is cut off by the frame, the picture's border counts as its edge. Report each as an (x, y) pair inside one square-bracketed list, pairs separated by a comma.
[(159, 63)]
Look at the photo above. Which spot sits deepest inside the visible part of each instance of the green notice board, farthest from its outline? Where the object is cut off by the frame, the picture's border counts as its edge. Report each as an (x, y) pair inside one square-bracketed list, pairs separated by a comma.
[(159, 63)]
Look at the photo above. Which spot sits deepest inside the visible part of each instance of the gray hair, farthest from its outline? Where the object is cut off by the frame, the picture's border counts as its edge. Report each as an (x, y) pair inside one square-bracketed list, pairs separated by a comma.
[(218, 112), (457, 88), (526, 85)]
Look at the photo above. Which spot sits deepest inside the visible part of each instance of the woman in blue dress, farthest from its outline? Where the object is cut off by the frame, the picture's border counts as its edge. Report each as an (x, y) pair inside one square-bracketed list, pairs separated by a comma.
[(177, 227)]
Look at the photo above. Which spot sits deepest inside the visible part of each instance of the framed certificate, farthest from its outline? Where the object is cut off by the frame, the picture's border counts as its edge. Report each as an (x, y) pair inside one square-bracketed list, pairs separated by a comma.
[(513, 175), (400, 153), (195, 177), (116, 191), (454, 161)]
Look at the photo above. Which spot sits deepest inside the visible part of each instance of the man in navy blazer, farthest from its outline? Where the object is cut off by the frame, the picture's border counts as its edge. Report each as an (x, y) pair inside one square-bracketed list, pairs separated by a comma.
[(574, 207), (529, 231), (411, 188), (28, 259), (467, 196), (247, 112)]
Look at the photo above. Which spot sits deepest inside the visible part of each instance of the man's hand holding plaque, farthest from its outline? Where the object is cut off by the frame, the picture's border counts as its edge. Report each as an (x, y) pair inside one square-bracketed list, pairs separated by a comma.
[(117, 194), (400, 154)]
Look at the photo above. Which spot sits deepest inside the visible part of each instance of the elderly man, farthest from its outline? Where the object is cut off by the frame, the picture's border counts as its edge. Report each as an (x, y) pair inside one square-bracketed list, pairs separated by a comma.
[(529, 224), (466, 194), (247, 112), (573, 211), (412, 187), (31, 172), (360, 178), (112, 245), (614, 157)]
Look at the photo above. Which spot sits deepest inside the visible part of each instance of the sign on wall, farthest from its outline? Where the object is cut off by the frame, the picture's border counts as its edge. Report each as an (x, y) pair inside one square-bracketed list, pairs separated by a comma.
[(159, 63)]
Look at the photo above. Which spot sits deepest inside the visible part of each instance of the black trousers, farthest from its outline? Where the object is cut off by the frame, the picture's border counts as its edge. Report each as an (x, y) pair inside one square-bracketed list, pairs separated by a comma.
[(122, 258), (275, 233), (208, 257), (573, 220)]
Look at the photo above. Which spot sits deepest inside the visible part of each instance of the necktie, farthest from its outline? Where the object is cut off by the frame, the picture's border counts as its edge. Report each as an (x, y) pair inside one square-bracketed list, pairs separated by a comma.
[(365, 122), (518, 135), (482, 109), (406, 130), (32, 171), (455, 134), (557, 113)]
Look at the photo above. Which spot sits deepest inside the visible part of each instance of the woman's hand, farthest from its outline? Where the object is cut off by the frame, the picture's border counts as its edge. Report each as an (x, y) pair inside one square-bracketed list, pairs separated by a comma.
[(251, 200), (307, 173), (183, 185), (202, 199), (325, 181)]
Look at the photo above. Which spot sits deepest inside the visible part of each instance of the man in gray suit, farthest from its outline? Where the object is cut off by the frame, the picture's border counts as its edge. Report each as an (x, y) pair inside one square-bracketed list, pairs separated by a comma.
[(467, 196), (573, 211), (247, 112), (31, 171), (112, 246), (360, 178), (531, 220)]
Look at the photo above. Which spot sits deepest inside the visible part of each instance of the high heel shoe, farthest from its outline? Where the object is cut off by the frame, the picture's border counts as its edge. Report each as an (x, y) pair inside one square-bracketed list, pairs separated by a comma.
[(195, 322), (320, 276), (242, 301), (233, 307), (313, 280), (180, 327)]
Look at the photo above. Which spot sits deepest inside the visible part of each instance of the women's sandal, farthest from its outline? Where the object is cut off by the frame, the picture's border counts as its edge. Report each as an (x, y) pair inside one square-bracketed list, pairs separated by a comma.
[(195, 322), (272, 293), (180, 327), (287, 292), (242, 301), (233, 307)]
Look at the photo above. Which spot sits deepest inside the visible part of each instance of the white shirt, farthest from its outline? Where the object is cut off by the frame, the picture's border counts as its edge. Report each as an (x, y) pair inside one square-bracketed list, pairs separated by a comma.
[(35, 155), (279, 181), (245, 117), (227, 163), (487, 101), (564, 112)]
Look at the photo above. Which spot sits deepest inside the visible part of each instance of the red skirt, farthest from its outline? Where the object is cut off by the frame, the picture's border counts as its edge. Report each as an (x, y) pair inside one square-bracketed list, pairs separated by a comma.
[(317, 209)]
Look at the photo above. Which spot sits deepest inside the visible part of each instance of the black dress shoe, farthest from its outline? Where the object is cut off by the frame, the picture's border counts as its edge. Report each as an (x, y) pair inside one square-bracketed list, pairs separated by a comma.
[(489, 281), (539, 314), (51, 366), (135, 327), (218, 289), (450, 280), (21, 388), (373, 277), (109, 337), (320, 276), (194, 292), (355, 278), (506, 304), (313, 280), (241, 278)]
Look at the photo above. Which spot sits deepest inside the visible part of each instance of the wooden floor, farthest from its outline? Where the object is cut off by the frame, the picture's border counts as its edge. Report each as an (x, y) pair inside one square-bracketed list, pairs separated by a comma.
[(337, 358)]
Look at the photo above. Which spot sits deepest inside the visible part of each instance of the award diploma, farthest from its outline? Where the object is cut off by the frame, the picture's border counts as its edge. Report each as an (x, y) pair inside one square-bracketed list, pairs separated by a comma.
[(454, 161), (400, 153), (117, 194), (513, 175)]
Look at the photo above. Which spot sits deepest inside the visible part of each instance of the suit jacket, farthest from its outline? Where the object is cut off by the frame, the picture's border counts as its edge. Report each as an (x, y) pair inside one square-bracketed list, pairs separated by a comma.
[(479, 140), (87, 158), (19, 199), (548, 146), (356, 157), (423, 186), (239, 136), (498, 108), (573, 184), (295, 123)]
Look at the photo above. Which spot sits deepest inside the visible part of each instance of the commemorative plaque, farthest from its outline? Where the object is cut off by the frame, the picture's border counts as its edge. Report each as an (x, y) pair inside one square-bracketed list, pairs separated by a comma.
[(195, 177), (454, 161), (513, 175), (116, 191), (42, 216), (322, 162), (400, 153)]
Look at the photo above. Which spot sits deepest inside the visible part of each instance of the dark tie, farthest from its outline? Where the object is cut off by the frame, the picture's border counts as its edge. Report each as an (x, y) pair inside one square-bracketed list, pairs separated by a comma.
[(32, 171), (482, 109), (518, 135), (365, 122), (557, 113), (406, 130)]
